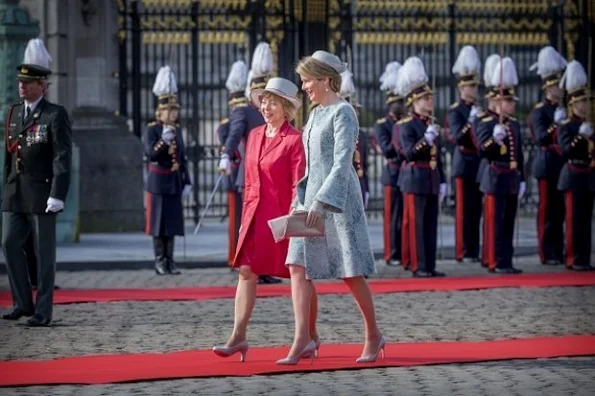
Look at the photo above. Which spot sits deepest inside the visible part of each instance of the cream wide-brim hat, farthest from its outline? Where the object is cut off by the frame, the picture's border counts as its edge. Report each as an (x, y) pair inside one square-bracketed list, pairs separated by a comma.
[(282, 88)]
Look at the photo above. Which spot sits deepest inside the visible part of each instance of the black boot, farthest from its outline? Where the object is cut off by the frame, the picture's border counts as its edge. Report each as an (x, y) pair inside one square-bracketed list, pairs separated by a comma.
[(159, 247), (169, 256)]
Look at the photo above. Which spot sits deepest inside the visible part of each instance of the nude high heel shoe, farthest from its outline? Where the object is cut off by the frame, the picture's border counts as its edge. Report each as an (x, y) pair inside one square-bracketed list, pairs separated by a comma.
[(225, 351), (307, 352), (372, 358), (317, 343)]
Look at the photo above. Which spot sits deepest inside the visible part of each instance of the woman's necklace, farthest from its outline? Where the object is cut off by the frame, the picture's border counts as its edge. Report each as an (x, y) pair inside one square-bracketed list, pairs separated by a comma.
[(270, 132)]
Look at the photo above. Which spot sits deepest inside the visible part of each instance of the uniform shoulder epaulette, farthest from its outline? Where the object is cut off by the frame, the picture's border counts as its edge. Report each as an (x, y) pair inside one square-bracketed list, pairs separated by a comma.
[(153, 123), (454, 105), (566, 121), (538, 105), (487, 119), (381, 120), (404, 120), (513, 119), (224, 121), (241, 105)]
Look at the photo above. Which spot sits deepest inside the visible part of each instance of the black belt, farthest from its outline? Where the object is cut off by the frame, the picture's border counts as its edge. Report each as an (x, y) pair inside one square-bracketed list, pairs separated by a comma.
[(505, 165)]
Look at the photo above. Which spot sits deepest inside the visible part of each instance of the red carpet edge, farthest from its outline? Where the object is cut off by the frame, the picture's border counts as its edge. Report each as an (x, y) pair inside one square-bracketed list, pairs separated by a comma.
[(106, 369)]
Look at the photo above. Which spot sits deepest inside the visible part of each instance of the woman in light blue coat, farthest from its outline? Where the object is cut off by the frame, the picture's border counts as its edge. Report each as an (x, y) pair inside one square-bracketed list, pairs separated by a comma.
[(330, 191)]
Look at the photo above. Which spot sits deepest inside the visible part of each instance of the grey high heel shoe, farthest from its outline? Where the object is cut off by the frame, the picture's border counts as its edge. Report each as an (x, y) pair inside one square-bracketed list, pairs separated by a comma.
[(372, 358), (225, 351), (308, 351)]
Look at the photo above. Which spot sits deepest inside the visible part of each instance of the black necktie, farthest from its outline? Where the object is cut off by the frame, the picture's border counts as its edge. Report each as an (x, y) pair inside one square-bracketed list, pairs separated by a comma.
[(27, 111)]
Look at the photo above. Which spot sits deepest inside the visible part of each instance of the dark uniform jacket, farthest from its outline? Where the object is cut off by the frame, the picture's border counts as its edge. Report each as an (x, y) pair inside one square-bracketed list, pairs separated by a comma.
[(465, 161), (548, 159), (384, 133), (168, 172), (362, 167), (242, 119), (506, 166), (578, 173), (423, 172), (37, 158), (483, 162)]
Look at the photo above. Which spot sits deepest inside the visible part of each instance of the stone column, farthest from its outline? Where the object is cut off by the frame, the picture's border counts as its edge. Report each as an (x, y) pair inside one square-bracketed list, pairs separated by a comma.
[(111, 175)]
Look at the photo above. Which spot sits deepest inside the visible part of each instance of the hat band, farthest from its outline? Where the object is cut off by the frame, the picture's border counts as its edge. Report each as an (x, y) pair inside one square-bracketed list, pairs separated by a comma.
[(552, 79), (467, 79), (236, 98), (392, 97), (259, 82), (505, 93), (578, 94), (167, 101), (418, 93)]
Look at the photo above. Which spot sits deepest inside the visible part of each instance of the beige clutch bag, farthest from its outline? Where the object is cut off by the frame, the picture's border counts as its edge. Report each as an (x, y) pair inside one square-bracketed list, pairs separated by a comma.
[(294, 225)]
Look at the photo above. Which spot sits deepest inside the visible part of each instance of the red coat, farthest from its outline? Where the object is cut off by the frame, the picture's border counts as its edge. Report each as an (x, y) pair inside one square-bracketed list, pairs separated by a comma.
[(272, 170)]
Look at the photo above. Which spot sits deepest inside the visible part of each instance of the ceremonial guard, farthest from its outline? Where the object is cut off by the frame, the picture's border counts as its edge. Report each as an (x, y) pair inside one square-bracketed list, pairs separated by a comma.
[(233, 135), (422, 178), (360, 156), (393, 199), (168, 178), (503, 180), (37, 169), (465, 163), (577, 179), (490, 110), (544, 121)]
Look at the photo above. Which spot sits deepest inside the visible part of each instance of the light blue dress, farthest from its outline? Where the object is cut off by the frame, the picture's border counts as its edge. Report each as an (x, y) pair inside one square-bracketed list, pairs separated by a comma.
[(345, 250)]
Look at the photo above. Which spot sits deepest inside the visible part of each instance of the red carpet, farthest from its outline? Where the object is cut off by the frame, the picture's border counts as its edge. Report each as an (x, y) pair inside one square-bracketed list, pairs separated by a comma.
[(190, 364), (74, 296)]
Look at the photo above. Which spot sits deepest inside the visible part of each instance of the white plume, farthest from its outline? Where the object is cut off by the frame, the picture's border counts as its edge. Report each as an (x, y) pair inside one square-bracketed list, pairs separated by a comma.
[(238, 77), (388, 79), (37, 54), (411, 76), (249, 79), (574, 77), (262, 60), (165, 82), (467, 62), (488, 69), (505, 74), (347, 85), (549, 61)]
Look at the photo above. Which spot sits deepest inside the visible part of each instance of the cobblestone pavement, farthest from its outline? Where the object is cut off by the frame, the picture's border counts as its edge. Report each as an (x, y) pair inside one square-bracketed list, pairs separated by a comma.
[(127, 327), (553, 377)]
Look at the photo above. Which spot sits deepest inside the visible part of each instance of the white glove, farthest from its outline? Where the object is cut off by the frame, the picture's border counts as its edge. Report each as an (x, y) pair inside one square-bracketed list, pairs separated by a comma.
[(431, 134), (315, 214), (54, 205), (168, 135), (499, 133), (473, 114), (187, 190), (559, 115), (522, 190), (224, 164), (366, 199), (442, 192), (586, 129)]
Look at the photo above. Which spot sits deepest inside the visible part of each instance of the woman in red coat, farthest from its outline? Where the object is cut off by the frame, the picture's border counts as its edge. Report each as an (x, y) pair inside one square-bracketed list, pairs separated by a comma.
[(275, 162)]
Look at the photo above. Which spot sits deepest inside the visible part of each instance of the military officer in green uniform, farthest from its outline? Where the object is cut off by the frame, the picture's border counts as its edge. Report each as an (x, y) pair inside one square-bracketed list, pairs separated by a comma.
[(37, 166)]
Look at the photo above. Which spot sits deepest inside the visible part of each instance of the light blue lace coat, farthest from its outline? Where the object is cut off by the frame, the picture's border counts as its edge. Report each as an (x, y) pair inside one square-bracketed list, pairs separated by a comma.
[(345, 251)]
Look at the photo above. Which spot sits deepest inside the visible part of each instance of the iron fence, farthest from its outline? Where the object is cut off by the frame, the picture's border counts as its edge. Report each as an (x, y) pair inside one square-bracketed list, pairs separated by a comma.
[(201, 39)]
